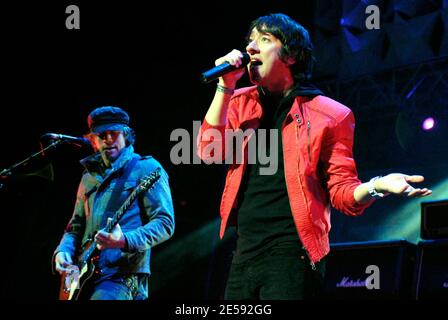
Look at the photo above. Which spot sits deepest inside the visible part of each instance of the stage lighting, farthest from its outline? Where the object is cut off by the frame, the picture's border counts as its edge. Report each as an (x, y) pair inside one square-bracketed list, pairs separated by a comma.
[(428, 123)]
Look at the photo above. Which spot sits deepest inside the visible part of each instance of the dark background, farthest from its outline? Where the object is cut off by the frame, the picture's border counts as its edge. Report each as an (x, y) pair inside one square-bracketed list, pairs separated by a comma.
[(147, 59)]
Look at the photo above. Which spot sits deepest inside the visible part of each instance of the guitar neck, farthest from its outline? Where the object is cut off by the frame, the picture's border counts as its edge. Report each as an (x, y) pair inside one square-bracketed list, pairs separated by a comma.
[(120, 212), (91, 251), (146, 184)]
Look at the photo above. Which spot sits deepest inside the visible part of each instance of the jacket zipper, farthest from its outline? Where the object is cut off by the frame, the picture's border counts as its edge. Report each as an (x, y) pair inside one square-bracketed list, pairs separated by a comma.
[(308, 130), (312, 264)]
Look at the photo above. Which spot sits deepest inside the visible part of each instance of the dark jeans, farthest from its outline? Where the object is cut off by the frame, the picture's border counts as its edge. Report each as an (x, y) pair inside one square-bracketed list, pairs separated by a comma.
[(118, 287), (277, 274)]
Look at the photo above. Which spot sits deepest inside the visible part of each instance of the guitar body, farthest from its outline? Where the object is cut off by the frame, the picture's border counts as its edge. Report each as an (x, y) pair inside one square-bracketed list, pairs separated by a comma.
[(72, 283), (64, 293)]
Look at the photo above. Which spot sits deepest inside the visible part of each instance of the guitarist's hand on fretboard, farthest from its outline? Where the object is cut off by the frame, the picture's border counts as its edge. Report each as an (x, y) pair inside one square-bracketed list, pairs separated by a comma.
[(114, 239)]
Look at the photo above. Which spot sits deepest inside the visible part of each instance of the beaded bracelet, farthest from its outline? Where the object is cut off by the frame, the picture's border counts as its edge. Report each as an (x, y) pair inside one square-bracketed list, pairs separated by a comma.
[(223, 89)]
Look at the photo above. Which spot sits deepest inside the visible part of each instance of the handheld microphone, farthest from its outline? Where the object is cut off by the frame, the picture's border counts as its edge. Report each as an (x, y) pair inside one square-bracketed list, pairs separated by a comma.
[(80, 142), (222, 69)]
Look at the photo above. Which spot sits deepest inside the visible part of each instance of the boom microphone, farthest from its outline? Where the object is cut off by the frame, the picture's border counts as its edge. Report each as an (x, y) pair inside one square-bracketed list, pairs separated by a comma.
[(80, 142)]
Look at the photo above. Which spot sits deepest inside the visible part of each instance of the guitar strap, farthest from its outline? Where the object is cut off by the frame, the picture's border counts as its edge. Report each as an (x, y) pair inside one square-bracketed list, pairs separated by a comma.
[(115, 198)]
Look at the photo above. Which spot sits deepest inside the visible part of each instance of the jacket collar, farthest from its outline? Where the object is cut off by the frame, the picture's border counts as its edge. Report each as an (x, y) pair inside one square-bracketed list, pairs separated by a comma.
[(95, 166), (302, 92), (296, 113)]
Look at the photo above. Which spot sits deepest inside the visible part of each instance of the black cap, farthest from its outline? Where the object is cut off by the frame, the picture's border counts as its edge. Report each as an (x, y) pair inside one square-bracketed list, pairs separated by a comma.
[(107, 118)]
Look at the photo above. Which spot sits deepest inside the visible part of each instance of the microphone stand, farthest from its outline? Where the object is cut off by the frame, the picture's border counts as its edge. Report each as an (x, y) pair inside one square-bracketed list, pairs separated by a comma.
[(5, 173)]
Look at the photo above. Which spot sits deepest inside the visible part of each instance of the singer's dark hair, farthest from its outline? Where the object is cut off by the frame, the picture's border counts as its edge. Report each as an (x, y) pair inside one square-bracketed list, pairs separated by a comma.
[(295, 39)]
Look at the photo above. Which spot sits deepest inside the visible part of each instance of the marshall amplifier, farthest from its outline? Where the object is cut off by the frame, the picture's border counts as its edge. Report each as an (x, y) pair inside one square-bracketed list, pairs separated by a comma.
[(370, 270), (431, 276), (434, 219)]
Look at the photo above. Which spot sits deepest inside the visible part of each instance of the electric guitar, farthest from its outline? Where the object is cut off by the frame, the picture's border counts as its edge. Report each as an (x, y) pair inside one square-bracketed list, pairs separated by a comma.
[(74, 280)]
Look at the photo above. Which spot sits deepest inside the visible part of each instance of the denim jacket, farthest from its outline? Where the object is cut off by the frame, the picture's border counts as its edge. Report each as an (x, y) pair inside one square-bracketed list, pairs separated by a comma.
[(148, 221)]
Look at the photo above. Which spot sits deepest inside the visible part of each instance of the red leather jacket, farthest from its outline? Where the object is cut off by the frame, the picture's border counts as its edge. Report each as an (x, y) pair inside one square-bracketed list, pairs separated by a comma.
[(317, 139)]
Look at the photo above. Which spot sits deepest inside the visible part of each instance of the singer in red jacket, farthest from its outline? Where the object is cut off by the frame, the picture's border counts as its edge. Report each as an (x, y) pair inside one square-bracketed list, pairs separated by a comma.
[(282, 218)]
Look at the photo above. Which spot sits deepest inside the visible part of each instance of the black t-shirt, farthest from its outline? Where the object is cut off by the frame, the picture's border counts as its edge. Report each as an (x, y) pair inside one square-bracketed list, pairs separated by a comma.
[(264, 216)]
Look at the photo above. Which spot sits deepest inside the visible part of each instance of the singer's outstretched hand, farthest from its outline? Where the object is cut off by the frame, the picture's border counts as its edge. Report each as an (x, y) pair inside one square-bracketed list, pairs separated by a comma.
[(397, 183), (394, 183)]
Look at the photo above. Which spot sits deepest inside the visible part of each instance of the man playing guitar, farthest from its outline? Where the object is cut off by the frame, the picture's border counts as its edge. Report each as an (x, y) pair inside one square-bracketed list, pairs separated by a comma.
[(116, 220)]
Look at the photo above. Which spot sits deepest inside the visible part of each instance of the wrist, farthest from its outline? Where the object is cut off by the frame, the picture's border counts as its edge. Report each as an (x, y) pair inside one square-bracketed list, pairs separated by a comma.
[(374, 189), (227, 84), (224, 89)]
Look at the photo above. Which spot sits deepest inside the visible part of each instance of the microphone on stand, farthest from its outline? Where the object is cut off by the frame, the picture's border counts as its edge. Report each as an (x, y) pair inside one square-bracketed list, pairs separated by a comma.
[(77, 141), (222, 69)]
